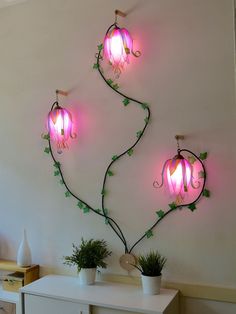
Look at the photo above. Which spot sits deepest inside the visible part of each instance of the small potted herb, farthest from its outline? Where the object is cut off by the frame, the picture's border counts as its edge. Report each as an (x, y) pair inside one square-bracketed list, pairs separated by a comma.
[(87, 257), (150, 265)]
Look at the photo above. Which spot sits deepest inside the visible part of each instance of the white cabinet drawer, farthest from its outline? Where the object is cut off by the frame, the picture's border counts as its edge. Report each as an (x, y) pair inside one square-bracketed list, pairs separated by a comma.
[(43, 305), (103, 310)]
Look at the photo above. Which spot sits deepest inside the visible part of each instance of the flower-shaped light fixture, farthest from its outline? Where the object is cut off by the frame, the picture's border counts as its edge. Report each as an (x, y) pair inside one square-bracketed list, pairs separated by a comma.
[(178, 172), (118, 45), (59, 124)]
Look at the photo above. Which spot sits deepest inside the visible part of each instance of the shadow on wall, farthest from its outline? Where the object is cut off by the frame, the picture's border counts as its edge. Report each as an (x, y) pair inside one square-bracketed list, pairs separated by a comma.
[(137, 6), (5, 249)]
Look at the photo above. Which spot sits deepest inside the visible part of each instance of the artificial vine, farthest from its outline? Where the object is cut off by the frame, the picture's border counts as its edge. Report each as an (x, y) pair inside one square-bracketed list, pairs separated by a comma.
[(103, 212)]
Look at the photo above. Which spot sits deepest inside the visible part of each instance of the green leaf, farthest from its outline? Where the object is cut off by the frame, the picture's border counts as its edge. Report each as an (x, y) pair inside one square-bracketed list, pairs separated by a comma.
[(192, 207), (149, 234), (105, 211), (206, 193), (191, 159), (144, 105), (109, 81), (172, 206), (126, 101), (57, 164), (61, 181), (56, 173), (110, 173), (98, 210), (95, 66), (160, 213), (203, 156), (201, 174), (103, 192), (46, 136), (100, 47), (146, 120), (114, 157), (80, 204), (67, 194), (127, 50), (130, 152), (116, 86), (47, 150), (86, 210), (139, 134)]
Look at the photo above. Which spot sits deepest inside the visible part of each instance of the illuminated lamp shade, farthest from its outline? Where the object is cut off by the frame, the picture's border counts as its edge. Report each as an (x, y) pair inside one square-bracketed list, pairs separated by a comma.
[(60, 127), (178, 172), (118, 45)]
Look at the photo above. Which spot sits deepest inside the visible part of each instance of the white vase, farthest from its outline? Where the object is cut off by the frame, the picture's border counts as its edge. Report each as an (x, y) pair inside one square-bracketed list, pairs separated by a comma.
[(151, 285), (24, 254), (87, 276)]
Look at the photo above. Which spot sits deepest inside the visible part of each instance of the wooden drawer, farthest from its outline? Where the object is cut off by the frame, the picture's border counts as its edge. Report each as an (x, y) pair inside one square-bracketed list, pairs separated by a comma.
[(7, 308)]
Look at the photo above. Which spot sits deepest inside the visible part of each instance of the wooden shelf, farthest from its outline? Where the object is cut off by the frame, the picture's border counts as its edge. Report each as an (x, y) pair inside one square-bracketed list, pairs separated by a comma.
[(12, 266), (31, 273), (7, 296)]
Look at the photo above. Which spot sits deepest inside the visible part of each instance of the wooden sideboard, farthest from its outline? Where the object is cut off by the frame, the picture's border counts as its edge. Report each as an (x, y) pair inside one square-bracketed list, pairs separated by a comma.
[(9, 300), (55, 294)]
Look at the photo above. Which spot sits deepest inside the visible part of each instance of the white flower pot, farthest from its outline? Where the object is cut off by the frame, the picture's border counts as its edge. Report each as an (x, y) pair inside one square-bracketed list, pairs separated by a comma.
[(87, 276), (151, 285)]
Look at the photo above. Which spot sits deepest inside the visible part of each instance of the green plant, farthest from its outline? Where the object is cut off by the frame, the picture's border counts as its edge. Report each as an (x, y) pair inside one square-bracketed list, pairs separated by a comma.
[(90, 254), (151, 264)]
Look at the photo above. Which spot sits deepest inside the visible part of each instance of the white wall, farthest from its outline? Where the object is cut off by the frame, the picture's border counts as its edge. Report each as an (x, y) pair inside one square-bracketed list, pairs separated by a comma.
[(186, 73), (197, 306)]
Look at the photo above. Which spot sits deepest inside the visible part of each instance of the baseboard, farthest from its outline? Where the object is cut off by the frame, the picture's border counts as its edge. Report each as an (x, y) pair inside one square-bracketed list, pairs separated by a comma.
[(217, 293)]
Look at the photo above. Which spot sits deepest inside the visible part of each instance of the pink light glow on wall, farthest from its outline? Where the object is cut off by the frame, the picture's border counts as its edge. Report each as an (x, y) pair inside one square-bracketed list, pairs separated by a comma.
[(118, 45), (60, 127)]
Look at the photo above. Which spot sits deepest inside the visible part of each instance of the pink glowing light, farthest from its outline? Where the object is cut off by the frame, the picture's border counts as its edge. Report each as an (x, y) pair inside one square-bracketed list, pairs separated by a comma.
[(118, 45), (60, 127), (179, 173)]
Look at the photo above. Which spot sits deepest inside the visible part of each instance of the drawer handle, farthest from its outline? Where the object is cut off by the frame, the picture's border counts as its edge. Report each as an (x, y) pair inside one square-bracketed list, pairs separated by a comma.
[(2, 309)]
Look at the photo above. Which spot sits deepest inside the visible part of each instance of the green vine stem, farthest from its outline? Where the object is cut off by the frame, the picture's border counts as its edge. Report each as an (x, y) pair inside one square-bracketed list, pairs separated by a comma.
[(86, 207), (173, 206), (69, 192), (127, 99), (139, 134)]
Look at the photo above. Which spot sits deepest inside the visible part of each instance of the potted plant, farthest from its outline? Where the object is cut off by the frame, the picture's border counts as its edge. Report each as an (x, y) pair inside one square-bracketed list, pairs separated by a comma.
[(150, 265), (87, 257)]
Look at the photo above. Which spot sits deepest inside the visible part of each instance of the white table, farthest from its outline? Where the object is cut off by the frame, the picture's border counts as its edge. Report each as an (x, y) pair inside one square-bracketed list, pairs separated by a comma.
[(63, 295)]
